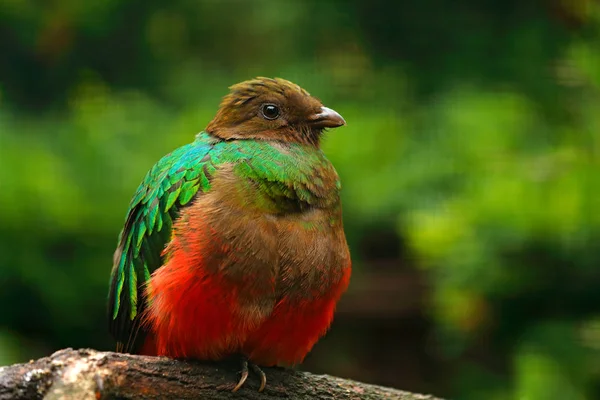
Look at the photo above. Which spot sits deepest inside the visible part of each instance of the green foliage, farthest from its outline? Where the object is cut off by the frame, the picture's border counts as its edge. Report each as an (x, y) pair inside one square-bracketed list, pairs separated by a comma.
[(472, 132)]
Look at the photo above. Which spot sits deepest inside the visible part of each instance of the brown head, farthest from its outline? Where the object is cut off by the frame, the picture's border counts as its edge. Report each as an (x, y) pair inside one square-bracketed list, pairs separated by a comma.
[(272, 109)]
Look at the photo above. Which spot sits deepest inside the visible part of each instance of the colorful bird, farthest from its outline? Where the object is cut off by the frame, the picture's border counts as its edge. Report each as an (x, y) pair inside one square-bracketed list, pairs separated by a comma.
[(234, 243)]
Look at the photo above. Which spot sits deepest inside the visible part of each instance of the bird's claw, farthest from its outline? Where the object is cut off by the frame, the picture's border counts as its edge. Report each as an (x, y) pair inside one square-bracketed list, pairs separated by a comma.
[(263, 377), (244, 375)]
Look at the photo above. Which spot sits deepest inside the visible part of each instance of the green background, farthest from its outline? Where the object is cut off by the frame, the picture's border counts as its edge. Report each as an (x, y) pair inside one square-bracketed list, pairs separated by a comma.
[(470, 168)]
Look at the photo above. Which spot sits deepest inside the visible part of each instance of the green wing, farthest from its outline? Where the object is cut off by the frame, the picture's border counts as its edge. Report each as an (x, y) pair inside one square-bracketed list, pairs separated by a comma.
[(167, 187)]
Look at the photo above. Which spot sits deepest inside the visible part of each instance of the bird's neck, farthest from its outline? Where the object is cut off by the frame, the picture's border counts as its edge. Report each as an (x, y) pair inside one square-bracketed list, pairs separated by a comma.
[(298, 135)]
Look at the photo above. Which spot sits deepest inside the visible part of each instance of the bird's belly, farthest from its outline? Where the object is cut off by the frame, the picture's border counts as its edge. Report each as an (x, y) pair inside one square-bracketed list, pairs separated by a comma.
[(313, 272), (294, 327)]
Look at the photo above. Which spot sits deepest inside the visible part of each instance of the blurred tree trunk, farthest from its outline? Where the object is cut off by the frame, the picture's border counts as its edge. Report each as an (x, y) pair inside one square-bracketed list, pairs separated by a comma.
[(88, 374)]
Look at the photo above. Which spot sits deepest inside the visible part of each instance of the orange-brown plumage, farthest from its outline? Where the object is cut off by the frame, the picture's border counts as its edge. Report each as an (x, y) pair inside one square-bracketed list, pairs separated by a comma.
[(257, 259)]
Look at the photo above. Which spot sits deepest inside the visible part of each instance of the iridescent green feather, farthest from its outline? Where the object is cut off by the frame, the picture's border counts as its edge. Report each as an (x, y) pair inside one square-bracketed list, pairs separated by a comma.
[(148, 229)]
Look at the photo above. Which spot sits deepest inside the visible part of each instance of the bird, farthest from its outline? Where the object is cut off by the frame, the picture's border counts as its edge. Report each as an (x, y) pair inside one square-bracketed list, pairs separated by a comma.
[(234, 243)]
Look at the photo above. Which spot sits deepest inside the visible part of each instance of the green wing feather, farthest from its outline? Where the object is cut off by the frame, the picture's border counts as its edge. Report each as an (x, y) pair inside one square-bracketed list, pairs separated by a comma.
[(170, 185)]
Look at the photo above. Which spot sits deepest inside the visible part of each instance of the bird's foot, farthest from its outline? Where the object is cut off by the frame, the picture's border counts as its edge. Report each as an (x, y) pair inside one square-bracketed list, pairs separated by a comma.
[(244, 375), (263, 377)]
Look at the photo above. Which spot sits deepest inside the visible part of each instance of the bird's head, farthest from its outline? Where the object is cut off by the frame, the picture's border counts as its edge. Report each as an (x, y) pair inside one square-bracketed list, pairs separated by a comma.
[(272, 109)]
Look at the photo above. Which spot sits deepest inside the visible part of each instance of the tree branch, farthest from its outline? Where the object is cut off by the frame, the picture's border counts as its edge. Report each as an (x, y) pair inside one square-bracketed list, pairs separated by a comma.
[(89, 374)]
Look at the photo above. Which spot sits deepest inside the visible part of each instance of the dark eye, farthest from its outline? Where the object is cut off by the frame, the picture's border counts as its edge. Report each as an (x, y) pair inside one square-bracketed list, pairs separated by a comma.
[(270, 111)]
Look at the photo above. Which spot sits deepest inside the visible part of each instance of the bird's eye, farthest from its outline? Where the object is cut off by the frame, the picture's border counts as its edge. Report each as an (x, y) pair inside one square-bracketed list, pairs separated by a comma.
[(270, 111)]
